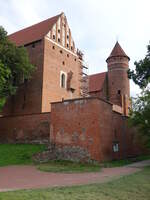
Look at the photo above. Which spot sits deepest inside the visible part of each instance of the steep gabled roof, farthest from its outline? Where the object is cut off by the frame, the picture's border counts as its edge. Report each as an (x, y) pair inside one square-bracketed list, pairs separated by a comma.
[(34, 32), (96, 81), (117, 51)]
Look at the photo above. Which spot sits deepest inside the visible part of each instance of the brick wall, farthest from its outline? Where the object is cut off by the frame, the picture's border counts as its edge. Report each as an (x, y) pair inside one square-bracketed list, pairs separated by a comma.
[(57, 59), (92, 125), (118, 79), (32, 128), (29, 97), (44, 87)]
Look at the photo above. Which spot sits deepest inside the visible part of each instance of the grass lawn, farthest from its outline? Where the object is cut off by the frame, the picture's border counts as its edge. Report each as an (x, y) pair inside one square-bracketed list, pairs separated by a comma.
[(119, 163), (68, 166), (131, 187), (17, 154), (21, 154)]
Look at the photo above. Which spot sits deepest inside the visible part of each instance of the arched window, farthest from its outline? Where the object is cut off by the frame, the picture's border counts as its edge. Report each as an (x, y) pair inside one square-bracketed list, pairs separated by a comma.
[(63, 80)]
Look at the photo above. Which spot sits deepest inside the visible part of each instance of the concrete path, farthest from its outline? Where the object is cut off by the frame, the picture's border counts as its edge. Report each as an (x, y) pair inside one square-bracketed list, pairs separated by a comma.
[(27, 177), (140, 164)]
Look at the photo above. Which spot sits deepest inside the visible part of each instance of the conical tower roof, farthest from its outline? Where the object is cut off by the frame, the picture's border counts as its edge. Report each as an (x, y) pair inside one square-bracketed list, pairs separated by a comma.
[(117, 52)]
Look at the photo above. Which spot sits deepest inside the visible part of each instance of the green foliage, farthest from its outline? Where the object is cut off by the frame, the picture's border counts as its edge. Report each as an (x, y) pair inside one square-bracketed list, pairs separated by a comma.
[(140, 113), (119, 163), (68, 166), (18, 154), (131, 187), (14, 66), (141, 75), (2, 102)]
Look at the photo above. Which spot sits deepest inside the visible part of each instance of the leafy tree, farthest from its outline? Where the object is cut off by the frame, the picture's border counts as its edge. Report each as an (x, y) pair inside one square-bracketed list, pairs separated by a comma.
[(140, 113), (15, 66), (141, 75)]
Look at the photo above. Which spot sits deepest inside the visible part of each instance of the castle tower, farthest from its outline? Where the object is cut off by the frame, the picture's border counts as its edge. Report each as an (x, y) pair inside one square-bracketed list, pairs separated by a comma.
[(118, 82)]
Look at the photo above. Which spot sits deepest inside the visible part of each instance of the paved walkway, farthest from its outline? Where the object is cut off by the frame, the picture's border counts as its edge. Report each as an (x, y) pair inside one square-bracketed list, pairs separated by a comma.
[(140, 164), (27, 177)]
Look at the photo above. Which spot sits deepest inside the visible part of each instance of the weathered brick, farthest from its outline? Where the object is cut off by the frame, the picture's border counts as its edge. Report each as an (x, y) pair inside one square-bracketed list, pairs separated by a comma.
[(31, 128), (92, 125)]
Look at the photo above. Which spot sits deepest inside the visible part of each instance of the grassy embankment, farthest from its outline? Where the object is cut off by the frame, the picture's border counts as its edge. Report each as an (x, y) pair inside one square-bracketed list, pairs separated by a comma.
[(21, 154)]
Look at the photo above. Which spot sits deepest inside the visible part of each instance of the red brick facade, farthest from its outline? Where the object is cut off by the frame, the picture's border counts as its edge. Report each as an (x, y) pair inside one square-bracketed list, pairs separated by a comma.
[(32, 128), (57, 61), (28, 99), (118, 82), (51, 59), (92, 125)]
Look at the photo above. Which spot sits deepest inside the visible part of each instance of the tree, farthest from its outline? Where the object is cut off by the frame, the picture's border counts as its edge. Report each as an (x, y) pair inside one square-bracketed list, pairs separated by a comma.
[(15, 66), (140, 113), (141, 75)]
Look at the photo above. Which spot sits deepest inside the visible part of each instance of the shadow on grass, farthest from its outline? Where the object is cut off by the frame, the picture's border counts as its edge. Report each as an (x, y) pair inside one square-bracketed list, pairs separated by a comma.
[(68, 167)]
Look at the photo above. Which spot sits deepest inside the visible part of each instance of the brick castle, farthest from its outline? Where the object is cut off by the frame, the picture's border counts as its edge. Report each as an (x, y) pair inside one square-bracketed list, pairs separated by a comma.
[(84, 116)]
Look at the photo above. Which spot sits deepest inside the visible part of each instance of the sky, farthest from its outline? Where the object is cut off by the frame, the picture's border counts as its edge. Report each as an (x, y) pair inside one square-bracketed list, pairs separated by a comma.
[(96, 25)]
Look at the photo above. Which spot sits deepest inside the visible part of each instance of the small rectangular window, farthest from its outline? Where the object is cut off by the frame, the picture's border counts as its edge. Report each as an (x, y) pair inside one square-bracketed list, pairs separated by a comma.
[(63, 80), (119, 91), (115, 147), (33, 45)]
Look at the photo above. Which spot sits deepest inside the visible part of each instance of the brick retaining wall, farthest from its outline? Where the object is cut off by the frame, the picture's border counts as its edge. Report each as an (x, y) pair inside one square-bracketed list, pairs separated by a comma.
[(92, 125), (32, 128)]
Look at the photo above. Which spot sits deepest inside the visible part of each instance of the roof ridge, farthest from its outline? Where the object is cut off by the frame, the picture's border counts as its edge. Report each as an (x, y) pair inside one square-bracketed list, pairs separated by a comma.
[(35, 24), (33, 33)]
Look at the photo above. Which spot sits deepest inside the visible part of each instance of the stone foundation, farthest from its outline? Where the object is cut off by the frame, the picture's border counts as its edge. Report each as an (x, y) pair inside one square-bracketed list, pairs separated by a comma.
[(71, 153)]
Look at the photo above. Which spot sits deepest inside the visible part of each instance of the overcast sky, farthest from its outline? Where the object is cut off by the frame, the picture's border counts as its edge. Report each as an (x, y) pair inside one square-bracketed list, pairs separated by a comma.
[(95, 25)]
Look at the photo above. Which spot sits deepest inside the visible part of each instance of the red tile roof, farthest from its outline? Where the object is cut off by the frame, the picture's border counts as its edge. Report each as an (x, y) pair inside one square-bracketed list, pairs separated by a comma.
[(117, 51), (96, 81), (34, 32)]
